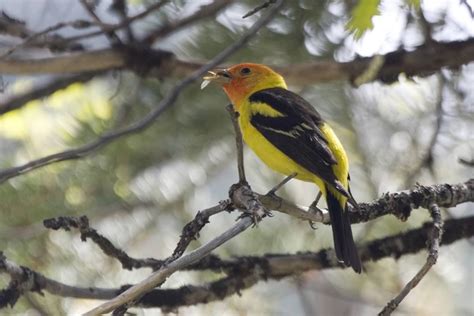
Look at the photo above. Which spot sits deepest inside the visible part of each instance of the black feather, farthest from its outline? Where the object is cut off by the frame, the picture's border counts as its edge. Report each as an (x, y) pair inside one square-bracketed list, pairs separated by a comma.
[(344, 245), (297, 133)]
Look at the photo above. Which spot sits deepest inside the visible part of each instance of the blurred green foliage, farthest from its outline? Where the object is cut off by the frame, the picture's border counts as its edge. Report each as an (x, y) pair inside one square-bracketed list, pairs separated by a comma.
[(361, 17)]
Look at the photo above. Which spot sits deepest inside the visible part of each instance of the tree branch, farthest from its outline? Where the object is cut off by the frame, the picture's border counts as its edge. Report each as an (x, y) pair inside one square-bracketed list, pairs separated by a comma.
[(192, 229), (264, 5), (82, 223), (251, 270), (167, 29), (399, 204), (423, 61), (40, 39), (16, 28), (12, 27), (89, 7), (468, 7), (158, 277), (402, 203), (434, 241), (239, 143), (123, 24), (243, 272)]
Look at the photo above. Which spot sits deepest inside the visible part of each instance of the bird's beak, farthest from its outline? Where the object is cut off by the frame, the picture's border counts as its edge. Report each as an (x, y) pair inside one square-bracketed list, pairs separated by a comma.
[(219, 76)]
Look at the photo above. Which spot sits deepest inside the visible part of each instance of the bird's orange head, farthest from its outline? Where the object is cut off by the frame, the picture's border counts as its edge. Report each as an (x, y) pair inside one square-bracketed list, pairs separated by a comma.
[(240, 81)]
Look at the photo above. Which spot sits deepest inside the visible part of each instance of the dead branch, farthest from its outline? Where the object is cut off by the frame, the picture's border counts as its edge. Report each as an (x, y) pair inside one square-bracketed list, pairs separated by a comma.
[(281, 265), (17, 28), (434, 241), (243, 272), (192, 229), (12, 27), (82, 224), (89, 7), (399, 204), (123, 24), (172, 27), (135, 292), (264, 5), (39, 39), (468, 7), (402, 203), (422, 61), (467, 162), (239, 143)]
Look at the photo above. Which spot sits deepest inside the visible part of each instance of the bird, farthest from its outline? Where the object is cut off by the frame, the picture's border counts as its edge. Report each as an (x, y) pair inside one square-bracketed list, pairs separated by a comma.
[(289, 135)]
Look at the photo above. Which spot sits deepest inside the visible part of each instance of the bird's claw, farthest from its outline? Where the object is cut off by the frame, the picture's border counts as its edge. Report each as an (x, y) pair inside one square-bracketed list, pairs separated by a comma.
[(272, 193), (313, 209)]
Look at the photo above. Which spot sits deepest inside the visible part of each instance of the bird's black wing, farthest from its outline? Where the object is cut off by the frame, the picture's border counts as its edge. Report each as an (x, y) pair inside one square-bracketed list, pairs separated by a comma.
[(296, 133)]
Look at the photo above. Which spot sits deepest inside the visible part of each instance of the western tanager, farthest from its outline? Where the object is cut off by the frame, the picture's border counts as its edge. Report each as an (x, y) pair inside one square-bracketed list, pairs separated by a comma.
[(290, 136)]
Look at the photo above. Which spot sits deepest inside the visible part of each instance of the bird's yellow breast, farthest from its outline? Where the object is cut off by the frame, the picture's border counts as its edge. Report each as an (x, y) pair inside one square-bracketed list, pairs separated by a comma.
[(265, 150), (276, 159)]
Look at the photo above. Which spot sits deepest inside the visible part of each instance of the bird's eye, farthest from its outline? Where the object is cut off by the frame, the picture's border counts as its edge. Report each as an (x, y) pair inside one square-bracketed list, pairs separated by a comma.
[(245, 71)]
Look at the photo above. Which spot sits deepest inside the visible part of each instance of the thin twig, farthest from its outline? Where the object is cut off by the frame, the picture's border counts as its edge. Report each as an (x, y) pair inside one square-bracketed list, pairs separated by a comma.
[(189, 233), (258, 8), (121, 9), (160, 276), (122, 24), (467, 162), (113, 37), (148, 119), (82, 223), (12, 26), (239, 143), (433, 249), (400, 204), (192, 229), (426, 27), (468, 7), (78, 24), (172, 27), (241, 196)]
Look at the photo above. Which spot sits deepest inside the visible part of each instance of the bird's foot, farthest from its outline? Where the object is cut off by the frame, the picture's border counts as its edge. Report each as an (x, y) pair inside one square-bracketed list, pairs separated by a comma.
[(244, 199), (314, 209)]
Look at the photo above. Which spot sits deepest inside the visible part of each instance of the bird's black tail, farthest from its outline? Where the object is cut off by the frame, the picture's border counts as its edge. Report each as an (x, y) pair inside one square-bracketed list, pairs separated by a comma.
[(346, 249)]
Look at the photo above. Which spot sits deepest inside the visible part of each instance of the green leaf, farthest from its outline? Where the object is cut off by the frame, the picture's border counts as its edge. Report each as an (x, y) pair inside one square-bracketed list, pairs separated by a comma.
[(361, 17), (416, 4)]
